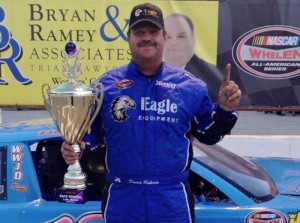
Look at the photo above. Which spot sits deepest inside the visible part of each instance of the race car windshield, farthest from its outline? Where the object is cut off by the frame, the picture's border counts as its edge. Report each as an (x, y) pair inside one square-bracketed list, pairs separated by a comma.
[(241, 173)]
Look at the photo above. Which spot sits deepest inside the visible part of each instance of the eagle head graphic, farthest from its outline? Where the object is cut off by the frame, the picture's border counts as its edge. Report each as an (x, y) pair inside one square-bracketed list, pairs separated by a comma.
[(119, 107)]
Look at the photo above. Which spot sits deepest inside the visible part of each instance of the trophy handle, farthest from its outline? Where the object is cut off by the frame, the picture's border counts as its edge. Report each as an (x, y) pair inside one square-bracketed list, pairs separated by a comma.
[(46, 91), (99, 102)]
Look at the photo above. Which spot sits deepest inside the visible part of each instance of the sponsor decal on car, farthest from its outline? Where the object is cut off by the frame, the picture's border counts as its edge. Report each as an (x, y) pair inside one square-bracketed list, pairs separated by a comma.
[(85, 217), (47, 132), (269, 52), (294, 217), (17, 160), (19, 188), (266, 216)]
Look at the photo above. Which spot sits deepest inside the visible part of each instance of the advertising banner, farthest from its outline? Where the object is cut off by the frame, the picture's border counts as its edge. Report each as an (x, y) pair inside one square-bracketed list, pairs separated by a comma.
[(261, 42), (33, 34), (261, 38)]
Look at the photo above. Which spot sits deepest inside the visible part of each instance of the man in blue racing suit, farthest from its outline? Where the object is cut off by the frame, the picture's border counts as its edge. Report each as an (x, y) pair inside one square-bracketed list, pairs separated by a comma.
[(150, 114)]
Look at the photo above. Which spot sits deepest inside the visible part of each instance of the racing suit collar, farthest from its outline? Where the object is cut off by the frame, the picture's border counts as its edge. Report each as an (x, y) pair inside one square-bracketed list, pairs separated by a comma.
[(133, 68)]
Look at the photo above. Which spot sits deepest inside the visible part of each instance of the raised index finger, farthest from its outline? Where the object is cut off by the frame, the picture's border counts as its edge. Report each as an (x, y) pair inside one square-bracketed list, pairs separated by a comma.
[(226, 78)]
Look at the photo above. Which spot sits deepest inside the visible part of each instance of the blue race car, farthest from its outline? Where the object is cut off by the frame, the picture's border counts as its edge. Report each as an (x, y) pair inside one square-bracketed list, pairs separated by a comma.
[(227, 188)]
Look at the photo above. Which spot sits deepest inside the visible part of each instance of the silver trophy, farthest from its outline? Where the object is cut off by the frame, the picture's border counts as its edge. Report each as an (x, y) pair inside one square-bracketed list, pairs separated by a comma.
[(73, 107)]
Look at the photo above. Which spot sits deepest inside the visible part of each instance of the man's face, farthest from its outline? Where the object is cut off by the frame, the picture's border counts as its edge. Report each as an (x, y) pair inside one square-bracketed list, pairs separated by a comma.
[(146, 42), (180, 43)]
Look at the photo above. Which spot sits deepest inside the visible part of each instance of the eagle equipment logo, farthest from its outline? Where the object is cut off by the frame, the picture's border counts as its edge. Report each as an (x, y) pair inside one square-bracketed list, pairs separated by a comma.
[(119, 107), (269, 52)]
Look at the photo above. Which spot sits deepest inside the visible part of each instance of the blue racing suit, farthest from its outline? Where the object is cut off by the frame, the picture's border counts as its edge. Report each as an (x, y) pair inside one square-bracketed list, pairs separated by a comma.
[(147, 124)]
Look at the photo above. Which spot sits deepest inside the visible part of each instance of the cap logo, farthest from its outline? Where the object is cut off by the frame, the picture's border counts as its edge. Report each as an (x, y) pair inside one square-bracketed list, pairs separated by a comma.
[(138, 12), (151, 12), (147, 12)]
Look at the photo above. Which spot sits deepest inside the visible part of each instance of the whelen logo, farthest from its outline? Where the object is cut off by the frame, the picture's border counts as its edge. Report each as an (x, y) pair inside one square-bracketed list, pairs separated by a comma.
[(270, 52)]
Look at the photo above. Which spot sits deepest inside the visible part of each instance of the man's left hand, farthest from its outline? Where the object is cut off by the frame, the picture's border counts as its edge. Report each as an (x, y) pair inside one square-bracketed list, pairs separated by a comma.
[(229, 94)]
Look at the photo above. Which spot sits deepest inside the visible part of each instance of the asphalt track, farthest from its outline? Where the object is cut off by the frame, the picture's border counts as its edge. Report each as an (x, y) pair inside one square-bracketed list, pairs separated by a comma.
[(255, 134), (249, 122)]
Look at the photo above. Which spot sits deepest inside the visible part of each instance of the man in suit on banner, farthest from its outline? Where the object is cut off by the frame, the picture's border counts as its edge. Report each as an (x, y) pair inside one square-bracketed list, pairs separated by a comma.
[(179, 51)]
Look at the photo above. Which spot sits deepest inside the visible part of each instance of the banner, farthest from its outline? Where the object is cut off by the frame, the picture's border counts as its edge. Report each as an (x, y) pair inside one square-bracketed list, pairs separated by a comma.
[(33, 33), (261, 42), (261, 39)]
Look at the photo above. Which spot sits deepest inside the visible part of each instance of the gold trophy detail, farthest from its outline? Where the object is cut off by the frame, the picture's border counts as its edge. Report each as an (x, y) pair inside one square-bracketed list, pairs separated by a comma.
[(73, 107)]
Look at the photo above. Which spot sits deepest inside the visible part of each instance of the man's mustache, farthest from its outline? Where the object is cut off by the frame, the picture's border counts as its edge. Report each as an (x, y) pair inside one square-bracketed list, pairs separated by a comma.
[(146, 43)]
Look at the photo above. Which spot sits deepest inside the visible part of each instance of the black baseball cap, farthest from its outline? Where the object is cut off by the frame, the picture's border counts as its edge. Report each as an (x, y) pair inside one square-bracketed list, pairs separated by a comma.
[(146, 13)]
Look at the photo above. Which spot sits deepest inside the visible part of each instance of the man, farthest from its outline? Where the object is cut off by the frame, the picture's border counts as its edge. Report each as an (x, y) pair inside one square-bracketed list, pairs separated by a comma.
[(179, 51), (149, 114)]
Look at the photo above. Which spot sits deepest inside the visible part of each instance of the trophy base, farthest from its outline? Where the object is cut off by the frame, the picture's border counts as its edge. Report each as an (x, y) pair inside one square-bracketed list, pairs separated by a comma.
[(75, 196)]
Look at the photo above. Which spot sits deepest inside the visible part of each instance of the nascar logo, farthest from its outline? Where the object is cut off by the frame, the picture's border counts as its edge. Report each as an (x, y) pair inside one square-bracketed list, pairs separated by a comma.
[(276, 40), (270, 52)]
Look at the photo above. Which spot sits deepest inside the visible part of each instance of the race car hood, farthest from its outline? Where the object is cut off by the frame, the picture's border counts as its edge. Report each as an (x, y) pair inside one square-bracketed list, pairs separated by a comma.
[(285, 172), (31, 130)]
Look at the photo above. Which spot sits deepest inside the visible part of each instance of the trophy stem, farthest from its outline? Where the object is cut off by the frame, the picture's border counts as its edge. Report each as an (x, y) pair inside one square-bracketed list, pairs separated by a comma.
[(75, 178), (76, 148)]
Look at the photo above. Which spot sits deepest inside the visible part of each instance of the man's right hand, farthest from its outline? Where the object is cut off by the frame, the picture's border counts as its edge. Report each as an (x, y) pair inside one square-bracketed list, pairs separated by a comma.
[(68, 153)]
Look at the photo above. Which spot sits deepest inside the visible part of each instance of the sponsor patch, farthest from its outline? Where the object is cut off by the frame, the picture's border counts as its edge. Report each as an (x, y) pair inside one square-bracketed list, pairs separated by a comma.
[(161, 111), (119, 107), (166, 84), (160, 107), (123, 84)]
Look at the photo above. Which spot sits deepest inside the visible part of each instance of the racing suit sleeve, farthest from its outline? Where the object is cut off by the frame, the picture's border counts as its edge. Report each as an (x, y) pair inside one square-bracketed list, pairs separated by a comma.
[(221, 124), (95, 137), (211, 122)]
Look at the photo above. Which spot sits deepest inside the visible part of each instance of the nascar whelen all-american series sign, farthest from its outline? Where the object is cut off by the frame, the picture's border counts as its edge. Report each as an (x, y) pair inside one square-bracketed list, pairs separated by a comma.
[(262, 41), (269, 52)]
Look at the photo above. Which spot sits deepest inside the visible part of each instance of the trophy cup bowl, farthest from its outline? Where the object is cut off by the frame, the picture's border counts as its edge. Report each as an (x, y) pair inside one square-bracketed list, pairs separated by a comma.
[(73, 107)]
